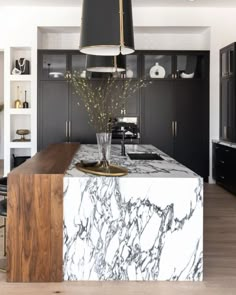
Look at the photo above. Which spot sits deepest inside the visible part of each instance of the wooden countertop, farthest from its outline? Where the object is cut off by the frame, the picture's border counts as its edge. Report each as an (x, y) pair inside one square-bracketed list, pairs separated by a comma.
[(53, 160), (35, 216)]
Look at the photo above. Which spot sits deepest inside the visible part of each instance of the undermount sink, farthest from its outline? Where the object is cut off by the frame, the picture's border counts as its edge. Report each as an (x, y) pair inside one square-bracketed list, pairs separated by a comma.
[(144, 156)]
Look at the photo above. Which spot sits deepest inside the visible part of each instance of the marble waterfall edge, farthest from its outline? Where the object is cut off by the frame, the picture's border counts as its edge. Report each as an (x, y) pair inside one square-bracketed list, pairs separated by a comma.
[(133, 228)]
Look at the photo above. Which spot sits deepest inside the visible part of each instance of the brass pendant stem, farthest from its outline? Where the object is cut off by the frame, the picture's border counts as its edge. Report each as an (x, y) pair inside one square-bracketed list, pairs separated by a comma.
[(122, 43)]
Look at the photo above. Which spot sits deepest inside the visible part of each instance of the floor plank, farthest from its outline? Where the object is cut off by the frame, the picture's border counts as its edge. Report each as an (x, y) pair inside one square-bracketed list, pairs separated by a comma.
[(219, 261)]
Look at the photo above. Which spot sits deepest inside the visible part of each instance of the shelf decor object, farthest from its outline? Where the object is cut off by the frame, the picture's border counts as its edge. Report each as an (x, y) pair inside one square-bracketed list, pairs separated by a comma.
[(17, 102), (103, 102), (157, 71), (23, 65), (22, 133), (25, 103), (105, 64), (107, 27)]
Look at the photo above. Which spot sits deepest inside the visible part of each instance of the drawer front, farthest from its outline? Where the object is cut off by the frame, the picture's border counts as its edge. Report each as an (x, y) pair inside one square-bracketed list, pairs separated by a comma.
[(224, 166)]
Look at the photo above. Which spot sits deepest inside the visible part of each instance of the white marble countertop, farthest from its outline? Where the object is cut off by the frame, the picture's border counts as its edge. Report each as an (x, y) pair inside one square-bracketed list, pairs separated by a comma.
[(226, 143), (167, 168)]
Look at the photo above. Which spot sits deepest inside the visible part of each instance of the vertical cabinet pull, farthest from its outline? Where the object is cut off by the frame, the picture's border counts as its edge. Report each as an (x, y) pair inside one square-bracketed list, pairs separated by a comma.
[(176, 128), (225, 132), (66, 129), (69, 129), (173, 128)]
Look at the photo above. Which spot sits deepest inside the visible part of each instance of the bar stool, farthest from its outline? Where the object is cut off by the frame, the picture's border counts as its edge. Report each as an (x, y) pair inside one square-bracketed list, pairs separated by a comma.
[(3, 210)]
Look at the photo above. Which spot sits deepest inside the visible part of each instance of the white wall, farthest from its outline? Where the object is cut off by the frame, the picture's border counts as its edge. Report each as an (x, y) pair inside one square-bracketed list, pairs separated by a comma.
[(16, 30), (1, 101)]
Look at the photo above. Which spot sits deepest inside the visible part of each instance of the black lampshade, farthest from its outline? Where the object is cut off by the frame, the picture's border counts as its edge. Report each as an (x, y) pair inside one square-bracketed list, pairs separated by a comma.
[(107, 27), (105, 64)]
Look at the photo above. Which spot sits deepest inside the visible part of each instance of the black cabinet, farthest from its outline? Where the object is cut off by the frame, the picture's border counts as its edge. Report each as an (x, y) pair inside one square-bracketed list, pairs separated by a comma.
[(61, 115), (224, 162), (228, 94), (175, 110), (52, 113), (157, 118), (175, 119)]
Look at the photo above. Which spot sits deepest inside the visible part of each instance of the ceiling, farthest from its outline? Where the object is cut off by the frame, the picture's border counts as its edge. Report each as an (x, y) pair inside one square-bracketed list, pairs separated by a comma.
[(144, 3)]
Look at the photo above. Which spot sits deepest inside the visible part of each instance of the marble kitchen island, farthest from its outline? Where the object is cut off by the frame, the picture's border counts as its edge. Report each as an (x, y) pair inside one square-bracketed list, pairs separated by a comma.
[(147, 225)]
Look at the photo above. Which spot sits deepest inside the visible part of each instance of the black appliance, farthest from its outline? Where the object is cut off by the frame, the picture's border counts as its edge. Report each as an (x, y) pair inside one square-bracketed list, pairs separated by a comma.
[(128, 126)]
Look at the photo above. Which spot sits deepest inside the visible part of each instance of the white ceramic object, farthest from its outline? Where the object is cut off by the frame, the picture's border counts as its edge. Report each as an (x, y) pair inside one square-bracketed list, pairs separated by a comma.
[(129, 73), (186, 76), (157, 71)]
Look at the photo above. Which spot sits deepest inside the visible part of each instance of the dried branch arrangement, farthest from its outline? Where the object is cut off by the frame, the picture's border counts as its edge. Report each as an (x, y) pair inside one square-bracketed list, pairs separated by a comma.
[(103, 98)]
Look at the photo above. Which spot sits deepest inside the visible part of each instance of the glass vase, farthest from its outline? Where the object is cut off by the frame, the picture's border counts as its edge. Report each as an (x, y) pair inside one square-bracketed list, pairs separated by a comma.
[(104, 148)]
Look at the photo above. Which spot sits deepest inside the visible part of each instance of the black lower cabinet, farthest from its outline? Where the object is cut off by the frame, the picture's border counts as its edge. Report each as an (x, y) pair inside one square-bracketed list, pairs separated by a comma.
[(224, 163), (80, 129), (157, 117), (175, 120), (191, 140)]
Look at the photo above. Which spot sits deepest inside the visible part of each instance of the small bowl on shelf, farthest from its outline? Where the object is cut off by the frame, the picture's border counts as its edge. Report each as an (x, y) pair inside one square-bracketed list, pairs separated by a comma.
[(186, 76)]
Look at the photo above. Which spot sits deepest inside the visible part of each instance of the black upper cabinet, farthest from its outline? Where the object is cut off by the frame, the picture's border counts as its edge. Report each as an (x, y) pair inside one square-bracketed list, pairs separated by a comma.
[(228, 93), (227, 61), (178, 65)]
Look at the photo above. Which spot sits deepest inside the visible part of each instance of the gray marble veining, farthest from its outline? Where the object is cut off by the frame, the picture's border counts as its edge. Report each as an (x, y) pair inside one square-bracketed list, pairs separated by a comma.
[(137, 168), (147, 225)]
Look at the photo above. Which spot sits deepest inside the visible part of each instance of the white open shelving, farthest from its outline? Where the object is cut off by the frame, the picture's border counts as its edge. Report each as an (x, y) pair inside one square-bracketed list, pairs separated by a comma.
[(21, 145), (14, 111), (16, 87), (21, 78)]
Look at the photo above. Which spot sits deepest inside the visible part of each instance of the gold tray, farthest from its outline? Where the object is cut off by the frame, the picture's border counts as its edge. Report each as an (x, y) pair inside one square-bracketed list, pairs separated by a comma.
[(113, 170)]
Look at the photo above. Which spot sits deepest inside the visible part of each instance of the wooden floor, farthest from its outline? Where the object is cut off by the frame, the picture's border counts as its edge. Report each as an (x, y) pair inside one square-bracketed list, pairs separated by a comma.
[(219, 261)]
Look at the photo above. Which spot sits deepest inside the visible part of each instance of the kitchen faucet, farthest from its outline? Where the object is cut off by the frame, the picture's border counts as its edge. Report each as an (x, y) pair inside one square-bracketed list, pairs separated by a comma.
[(123, 142)]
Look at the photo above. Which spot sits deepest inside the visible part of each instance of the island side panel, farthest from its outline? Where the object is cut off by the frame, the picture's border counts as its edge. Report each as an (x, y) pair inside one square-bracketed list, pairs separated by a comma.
[(34, 227), (133, 228)]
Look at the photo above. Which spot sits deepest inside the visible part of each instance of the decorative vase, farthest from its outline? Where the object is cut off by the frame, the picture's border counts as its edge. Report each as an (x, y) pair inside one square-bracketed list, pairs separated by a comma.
[(157, 71), (104, 148)]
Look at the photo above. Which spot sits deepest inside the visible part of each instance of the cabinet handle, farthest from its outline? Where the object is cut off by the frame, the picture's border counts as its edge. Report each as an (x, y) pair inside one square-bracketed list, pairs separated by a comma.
[(225, 132), (69, 129), (222, 162), (222, 177), (66, 129), (176, 129), (173, 128)]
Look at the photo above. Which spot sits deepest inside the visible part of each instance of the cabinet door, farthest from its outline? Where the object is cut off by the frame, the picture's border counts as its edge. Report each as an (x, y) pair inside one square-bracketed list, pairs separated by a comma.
[(80, 129), (157, 115), (231, 116), (132, 104), (227, 61), (224, 90), (53, 112), (227, 110), (53, 66), (192, 127)]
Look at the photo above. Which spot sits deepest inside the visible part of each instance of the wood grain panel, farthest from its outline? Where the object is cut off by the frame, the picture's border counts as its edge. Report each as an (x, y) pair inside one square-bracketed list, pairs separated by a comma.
[(219, 261), (35, 216)]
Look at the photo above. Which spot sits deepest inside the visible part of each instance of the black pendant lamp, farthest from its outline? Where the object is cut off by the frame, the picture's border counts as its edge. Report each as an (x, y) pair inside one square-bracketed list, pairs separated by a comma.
[(107, 27), (105, 64)]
